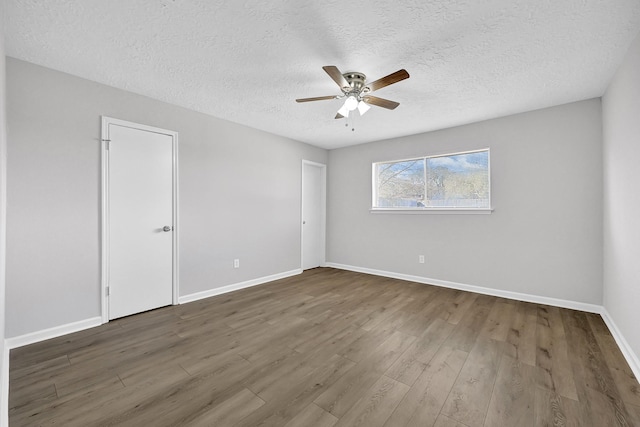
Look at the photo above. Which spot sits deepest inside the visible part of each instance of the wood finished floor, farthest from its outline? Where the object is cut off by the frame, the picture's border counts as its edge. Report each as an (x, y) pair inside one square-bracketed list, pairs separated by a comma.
[(331, 348)]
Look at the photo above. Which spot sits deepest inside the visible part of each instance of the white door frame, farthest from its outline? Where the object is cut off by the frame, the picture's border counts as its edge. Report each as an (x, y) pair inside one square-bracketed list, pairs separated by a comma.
[(106, 121), (323, 210)]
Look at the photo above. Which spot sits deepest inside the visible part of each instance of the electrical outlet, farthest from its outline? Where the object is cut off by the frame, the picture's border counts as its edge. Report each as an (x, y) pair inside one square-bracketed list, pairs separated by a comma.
[(236, 263), (421, 259)]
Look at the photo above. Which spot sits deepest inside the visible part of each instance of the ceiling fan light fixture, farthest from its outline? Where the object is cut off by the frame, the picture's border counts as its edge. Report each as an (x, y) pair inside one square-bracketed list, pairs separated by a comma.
[(363, 107), (351, 103), (344, 111)]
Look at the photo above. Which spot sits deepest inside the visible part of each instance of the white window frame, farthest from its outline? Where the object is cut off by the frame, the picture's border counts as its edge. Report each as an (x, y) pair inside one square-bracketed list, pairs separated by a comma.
[(428, 209)]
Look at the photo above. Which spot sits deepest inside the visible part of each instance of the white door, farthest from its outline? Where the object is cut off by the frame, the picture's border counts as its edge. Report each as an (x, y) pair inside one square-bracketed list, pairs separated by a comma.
[(140, 220), (313, 214)]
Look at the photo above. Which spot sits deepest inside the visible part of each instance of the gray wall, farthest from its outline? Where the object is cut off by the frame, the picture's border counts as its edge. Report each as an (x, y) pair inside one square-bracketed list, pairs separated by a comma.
[(4, 369), (544, 237), (621, 130), (239, 196)]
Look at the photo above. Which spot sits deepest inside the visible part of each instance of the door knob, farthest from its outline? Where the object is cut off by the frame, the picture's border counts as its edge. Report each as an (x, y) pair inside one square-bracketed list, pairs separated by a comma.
[(166, 228)]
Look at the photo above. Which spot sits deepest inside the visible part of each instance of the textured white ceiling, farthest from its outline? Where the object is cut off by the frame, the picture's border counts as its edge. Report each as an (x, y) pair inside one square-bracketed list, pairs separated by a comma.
[(247, 61)]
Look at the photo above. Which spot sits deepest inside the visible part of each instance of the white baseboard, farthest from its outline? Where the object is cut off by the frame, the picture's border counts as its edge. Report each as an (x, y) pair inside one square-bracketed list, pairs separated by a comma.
[(625, 348), (574, 305), (236, 286), (54, 332)]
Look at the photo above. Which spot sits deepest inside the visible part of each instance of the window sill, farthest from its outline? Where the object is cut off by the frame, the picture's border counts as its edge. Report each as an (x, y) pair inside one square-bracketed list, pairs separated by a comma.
[(432, 211)]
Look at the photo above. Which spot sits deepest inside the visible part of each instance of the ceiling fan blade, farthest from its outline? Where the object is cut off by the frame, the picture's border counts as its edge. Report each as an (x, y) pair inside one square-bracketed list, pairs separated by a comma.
[(388, 80), (337, 76), (381, 102), (339, 116), (317, 98)]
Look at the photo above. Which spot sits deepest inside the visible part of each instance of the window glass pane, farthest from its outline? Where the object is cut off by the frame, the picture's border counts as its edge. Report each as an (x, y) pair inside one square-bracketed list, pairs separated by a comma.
[(400, 184), (460, 180)]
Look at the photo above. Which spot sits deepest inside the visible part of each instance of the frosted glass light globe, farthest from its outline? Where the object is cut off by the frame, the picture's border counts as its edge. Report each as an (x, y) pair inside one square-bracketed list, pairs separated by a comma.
[(351, 103)]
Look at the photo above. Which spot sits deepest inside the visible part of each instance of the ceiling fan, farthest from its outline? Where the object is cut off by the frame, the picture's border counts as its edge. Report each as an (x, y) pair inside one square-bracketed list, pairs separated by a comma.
[(356, 90)]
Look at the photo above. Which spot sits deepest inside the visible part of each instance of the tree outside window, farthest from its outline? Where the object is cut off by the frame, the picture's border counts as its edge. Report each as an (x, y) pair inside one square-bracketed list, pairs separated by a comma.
[(449, 181)]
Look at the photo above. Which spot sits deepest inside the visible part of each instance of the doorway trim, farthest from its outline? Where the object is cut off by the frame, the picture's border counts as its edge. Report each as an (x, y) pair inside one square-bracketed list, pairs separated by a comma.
[(104, 226), (323, 210)]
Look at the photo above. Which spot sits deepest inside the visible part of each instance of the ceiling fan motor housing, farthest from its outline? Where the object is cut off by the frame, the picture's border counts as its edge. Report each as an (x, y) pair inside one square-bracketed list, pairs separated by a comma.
[(356, 81)]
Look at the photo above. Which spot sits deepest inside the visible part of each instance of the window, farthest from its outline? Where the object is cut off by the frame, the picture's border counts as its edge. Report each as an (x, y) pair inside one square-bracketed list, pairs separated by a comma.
[(451, 181)]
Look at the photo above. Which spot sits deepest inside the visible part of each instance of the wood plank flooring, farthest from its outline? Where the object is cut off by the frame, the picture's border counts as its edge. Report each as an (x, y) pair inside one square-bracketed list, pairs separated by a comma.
[(331, 348)]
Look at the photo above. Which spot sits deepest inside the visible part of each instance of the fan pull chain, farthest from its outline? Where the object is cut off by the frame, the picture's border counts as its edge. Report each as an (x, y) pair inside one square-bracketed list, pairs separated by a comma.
[(352, 115)]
